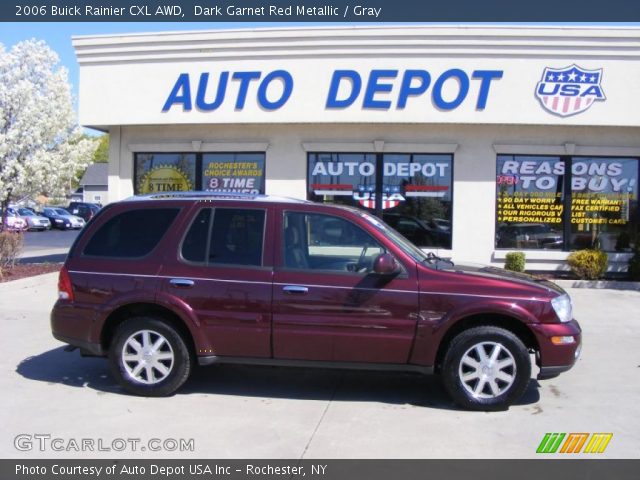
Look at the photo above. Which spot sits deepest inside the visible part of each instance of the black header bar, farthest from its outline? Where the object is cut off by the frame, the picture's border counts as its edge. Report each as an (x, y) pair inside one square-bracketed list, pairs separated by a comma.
[(366, 11), (548, 469)]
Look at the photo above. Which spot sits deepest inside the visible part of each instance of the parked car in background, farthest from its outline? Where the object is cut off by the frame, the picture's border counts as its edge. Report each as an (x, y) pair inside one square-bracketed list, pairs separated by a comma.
[(84, 210), (442, 224), (14, 222), (61, 219), (528, 235), (34, 221), (159, 282), (418, 232)]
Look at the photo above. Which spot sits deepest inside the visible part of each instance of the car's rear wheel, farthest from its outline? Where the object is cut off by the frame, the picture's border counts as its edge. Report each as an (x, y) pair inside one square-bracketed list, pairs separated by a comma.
[(486, 368), (149, 357)]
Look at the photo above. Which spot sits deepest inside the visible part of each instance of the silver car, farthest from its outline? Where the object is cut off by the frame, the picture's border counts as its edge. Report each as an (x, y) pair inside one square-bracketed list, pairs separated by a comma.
[(34, 221)]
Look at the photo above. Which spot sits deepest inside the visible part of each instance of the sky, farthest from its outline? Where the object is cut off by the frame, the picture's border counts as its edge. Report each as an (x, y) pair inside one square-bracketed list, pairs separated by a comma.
[(58, 35)]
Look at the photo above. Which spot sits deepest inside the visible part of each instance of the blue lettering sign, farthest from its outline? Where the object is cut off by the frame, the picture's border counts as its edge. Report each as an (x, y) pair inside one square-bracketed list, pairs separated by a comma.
[(201, 103), (463, 89), (180, 94), (356, 85), (374, 86), (245, 78), (345, 88), (287, 82), (407, 90), (486, 77), (594, 90)]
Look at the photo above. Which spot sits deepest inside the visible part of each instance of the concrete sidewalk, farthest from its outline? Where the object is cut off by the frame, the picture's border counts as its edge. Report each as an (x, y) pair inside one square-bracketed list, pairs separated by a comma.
[(258, 412)]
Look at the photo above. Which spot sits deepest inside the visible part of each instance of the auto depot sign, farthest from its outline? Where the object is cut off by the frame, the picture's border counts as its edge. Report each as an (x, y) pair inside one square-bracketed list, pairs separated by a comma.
[(412, 94), (377, 90), (321, 91)]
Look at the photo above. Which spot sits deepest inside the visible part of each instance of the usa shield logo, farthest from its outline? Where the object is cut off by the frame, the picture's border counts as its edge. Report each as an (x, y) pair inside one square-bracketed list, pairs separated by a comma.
[(569, 90)]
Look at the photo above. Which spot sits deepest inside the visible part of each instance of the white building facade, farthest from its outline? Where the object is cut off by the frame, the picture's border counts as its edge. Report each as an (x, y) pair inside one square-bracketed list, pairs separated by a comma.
[(472, 141)]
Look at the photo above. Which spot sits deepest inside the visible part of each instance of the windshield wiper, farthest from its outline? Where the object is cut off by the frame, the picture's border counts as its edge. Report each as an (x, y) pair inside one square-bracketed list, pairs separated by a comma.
[(433, 258)]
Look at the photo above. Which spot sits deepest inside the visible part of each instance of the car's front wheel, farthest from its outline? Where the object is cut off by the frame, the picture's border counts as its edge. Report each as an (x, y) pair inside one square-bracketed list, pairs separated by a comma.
[(149, 357), (486, 368)]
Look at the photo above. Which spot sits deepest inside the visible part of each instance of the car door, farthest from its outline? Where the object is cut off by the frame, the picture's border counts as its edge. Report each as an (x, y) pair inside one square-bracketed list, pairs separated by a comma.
[(223, 274), (328, 305)]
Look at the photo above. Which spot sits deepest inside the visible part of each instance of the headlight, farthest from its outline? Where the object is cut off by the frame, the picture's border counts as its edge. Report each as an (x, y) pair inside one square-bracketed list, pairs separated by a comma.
[(562, 307), (57, 220)]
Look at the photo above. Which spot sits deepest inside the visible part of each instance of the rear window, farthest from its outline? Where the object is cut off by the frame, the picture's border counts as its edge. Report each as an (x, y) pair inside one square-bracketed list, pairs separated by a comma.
[(130, 234), (234, 236), (194, 247)]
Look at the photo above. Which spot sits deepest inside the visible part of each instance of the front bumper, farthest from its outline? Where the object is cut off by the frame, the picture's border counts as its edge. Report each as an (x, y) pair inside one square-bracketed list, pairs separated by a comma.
[(554, 359), (552, 372), (61, 225)]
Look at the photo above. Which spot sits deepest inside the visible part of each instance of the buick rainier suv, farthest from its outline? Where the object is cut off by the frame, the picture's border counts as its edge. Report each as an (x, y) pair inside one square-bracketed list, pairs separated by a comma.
[(161, 283)]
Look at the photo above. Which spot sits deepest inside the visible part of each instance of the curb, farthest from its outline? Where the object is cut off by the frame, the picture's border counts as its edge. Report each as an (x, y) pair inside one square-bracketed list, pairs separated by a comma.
[(599, 284)]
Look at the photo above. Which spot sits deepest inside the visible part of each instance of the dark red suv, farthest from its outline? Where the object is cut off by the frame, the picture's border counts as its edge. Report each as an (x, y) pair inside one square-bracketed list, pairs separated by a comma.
[(160, 283)]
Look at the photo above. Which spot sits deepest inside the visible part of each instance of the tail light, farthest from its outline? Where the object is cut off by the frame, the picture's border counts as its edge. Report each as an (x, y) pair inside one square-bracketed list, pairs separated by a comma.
[(65, 290)]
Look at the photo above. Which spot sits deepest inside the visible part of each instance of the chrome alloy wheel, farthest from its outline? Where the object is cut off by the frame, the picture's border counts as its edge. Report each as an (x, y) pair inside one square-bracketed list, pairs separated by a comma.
[(487, 370), (147, 357)]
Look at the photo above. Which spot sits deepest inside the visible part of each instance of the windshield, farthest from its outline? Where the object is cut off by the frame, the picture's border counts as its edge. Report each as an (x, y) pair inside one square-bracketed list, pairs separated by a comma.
[(61, 211), (405, 245), (26, 213)]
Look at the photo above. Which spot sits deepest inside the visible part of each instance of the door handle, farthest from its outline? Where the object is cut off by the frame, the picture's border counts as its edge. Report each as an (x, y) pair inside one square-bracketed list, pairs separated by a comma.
[(295, 289), (181, 282)]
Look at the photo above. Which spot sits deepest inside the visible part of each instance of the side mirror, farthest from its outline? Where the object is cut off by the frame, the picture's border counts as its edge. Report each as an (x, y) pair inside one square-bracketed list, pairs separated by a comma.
[(385, 264)]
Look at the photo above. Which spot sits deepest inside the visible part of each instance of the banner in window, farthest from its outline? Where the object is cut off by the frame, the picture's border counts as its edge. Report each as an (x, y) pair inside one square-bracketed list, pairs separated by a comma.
[(416, 190), (404, 177), (233, 172), (531, 202), (604, 199), (164, 172)]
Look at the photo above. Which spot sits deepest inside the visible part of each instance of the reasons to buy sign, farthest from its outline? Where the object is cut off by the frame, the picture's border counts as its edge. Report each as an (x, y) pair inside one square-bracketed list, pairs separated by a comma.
[(532, 191)]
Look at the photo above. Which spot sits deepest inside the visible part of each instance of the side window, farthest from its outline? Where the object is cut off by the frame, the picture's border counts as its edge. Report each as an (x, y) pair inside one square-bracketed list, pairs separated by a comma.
[(194, 246), (324, 242), (237, 236), (131, 234)]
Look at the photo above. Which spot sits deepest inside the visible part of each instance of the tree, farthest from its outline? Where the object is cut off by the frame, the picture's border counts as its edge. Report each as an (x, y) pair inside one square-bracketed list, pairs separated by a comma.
[(101, 154), (41, 146)]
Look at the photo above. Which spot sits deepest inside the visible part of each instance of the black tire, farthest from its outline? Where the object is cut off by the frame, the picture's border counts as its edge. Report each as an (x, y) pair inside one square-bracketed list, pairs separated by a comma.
[(179, 366), (491, 389)]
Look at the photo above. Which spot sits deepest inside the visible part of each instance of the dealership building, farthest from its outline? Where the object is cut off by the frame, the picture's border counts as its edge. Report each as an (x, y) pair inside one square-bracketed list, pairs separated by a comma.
[(473, 141)]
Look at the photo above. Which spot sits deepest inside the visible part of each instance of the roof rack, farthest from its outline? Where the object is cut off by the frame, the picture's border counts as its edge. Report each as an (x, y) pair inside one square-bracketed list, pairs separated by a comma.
[(194, 194), (204, 195)]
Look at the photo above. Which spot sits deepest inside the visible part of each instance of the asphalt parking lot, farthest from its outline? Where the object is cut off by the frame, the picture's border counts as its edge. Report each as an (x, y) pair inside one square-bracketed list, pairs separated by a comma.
[(47, 246), (260, 412)]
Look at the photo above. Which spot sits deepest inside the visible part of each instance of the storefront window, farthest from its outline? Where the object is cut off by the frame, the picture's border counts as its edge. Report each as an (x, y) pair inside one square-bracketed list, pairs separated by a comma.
[(233, 172), (164, 172), (530, 201), (216, 172), (604, 203), (416, 190), (343, 178), (534, 211)]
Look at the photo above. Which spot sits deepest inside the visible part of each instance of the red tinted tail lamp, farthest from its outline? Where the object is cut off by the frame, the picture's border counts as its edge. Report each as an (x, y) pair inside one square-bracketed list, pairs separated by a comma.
[(65, 290)]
